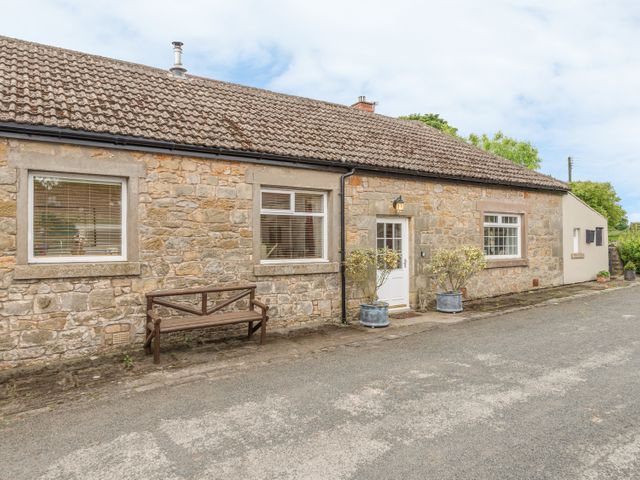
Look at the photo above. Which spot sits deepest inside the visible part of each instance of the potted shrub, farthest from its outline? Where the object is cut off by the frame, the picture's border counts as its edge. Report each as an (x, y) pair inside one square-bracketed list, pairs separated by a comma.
[(452, 269), (630, 271), (603, 276), (369, 268)]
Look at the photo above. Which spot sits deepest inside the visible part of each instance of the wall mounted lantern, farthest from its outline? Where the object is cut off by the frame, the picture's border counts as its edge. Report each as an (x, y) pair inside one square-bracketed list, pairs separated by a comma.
[(398, 204)]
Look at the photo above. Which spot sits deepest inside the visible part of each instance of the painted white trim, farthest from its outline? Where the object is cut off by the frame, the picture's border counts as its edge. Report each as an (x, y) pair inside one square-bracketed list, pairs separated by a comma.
[(291, 212), (293, 260), (499, 224), (32, 259)]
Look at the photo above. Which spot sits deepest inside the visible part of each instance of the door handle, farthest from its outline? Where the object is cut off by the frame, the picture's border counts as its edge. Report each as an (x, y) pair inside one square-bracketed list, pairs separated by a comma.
[(404, 262)]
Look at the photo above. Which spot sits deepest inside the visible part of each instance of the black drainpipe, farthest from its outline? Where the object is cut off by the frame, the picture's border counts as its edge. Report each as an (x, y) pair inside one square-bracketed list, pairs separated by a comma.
[(343, 246)]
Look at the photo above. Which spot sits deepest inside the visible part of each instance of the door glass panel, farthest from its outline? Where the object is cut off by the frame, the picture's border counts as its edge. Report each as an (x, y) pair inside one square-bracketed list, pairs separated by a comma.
[(389, 235)]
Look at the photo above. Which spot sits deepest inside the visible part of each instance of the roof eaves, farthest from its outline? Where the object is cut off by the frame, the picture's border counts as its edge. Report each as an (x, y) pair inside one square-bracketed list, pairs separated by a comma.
[(43, 132)]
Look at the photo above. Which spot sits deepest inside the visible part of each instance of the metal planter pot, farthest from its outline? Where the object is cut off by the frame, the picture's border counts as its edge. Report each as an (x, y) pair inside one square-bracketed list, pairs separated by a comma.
[(449, 302), (630, 275), (374, 315)]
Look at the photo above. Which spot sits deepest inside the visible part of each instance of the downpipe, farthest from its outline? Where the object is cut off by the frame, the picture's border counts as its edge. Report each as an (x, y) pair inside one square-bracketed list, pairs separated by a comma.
[(343, 246)]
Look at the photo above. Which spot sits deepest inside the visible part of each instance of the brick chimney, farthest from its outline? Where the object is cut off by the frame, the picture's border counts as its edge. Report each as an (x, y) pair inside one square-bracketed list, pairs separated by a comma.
[(365, 105)]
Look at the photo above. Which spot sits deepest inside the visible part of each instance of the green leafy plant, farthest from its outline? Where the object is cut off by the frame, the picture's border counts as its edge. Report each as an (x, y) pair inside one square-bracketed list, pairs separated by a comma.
[(630, 266), (603, 273), (452, 268), (519, 152), (629, 246), (433, 120), (127, 362), (369, 268)]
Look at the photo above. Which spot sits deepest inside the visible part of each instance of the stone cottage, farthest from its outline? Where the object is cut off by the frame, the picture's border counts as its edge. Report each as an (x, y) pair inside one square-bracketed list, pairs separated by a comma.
[(117, 179)]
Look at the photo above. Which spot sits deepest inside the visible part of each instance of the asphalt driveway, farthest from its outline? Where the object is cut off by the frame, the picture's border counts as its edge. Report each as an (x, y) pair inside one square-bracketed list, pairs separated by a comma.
[(552, 392)]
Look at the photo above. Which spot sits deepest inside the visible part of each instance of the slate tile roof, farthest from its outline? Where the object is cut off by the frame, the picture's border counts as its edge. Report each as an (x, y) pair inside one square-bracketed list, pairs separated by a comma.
[(48, 86)]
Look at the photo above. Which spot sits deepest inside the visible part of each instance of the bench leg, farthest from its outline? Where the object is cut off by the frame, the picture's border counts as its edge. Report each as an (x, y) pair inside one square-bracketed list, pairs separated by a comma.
[(263, 330), (156, 344), (250, 330), (147, 343)]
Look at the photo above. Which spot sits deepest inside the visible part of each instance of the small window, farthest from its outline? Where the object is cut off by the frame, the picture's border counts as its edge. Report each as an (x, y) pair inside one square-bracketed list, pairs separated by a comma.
[(591, 236), (293, 226), (576, 240), (599, 239), (76, 218), (502, 235)]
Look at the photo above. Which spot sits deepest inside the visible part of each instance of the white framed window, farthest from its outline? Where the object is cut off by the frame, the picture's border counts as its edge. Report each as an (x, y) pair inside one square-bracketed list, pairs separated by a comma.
[(502, 235), (76, 218), (576, 240), (293, 226)]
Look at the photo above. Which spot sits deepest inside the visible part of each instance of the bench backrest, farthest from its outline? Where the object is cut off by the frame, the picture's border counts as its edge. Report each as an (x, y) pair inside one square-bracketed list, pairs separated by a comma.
[(159, 298)]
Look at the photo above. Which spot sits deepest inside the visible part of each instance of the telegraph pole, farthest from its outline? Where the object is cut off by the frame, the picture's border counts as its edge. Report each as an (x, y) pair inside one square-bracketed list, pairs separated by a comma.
[(570, 167)]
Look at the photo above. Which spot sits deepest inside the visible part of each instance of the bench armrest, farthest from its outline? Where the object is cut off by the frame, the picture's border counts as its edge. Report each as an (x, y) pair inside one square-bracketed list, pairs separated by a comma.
[(153, 316), (258, 303)]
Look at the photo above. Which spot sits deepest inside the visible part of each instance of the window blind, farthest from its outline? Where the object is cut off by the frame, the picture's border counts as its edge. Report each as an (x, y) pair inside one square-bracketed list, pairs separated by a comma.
[(76, 217), (292, 225)]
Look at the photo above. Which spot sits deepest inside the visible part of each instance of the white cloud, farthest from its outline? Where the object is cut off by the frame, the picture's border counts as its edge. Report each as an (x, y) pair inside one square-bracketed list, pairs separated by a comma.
[(563, 75)]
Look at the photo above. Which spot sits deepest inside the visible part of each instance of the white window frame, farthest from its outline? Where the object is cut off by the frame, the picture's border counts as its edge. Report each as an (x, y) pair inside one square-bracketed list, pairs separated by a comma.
[(576, 240), (500, 224), (291, 211), (31, 258)]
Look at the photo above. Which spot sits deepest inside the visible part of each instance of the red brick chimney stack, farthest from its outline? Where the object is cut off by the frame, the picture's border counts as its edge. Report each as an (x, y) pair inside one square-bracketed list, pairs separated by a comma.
[(365, 105)]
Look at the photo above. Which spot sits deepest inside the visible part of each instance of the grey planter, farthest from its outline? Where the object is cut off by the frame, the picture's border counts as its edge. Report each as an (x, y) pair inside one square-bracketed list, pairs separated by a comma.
[(449, 302), (630, 275), (374, 315)]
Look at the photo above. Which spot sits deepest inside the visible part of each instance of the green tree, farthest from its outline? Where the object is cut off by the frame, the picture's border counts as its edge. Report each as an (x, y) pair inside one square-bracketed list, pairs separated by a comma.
[(623, 224), (433, 120), (602, 197), (519, 152)]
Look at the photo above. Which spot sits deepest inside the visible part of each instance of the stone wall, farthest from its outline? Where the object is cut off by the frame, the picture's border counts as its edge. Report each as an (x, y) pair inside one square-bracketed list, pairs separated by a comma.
[(443, 214), (194, 228), (196, 220)]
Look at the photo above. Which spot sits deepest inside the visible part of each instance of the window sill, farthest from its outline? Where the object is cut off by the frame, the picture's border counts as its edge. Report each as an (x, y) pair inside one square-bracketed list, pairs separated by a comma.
[(273, 269), (512, 262), (576, 256), (75, 270)]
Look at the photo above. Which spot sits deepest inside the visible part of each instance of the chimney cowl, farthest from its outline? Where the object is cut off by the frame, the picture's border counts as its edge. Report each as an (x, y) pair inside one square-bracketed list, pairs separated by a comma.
[(365, 105), (178, 70)]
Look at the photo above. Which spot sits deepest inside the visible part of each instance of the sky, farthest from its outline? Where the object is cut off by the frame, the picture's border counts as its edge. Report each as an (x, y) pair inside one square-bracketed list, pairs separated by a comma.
[(561, 74)]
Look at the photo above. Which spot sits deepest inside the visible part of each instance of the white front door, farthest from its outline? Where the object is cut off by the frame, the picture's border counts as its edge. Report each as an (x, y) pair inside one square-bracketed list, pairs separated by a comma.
[(394, 233)]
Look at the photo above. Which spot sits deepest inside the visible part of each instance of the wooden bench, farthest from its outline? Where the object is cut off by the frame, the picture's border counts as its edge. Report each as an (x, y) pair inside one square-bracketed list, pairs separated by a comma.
[(202, 317)]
